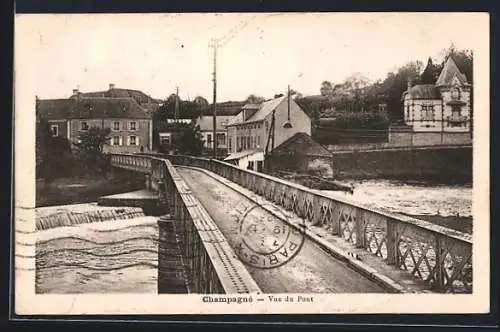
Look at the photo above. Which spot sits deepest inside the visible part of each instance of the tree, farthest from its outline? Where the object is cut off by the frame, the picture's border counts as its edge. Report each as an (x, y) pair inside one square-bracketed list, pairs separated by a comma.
[(199, 100), (326, 88), (430, 73), (90, 147), (53, 154), (253, 99), (188, 140)]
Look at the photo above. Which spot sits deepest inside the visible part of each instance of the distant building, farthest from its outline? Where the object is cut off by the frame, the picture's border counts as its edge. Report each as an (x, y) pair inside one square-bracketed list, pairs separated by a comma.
[(254, 131), (443, 106), (437, 113), (130, 123), (206, 123)]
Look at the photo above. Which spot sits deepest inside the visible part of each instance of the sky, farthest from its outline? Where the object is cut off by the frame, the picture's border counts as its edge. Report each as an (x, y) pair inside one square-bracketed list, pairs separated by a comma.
[(156, 53)]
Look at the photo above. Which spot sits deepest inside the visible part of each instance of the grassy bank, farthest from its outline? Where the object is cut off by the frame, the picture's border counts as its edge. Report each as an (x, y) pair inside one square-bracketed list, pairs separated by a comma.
[(81, 189)]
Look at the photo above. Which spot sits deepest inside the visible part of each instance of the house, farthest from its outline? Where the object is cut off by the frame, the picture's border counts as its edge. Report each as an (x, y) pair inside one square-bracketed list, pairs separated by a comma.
[(206, 124), (259, 128), (131, 125), (439, 113)]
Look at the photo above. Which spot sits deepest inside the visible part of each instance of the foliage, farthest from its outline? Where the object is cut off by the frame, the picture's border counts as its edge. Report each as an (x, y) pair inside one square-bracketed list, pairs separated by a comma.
[(356, 93), (89, 149), (253, 99), (188, 140), (358, 120), (53, 154)]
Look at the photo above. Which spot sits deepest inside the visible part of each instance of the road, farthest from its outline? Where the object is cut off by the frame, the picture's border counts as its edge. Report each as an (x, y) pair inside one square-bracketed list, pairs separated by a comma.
[(312, 270)]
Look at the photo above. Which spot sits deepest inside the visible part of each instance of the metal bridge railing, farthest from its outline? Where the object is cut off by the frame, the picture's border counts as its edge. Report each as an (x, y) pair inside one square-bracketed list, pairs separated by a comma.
[(208, 259), (439, 256)]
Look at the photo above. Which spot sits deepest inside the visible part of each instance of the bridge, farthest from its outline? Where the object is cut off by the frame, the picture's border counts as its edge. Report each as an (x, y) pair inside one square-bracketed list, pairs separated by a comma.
[(347, 247)]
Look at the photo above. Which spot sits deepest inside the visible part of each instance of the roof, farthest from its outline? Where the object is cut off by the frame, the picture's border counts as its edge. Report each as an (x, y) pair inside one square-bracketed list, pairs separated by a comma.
[(91, 108), (423, 91), (251, 106), (303, 143), (450, 70), (264, 109), (241, 154), (206, 122), (238, 118), (139, 96)]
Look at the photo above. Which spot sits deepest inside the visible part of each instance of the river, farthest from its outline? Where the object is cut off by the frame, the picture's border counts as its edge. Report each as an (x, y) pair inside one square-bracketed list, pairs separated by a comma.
[(446, 204)]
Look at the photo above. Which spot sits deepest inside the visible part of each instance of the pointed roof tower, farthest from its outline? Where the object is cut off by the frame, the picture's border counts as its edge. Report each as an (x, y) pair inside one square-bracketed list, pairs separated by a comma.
[(450, 73)]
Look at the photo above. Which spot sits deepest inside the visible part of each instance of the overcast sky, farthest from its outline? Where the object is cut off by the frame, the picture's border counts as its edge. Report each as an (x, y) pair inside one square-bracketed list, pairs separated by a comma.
[(155, 53)]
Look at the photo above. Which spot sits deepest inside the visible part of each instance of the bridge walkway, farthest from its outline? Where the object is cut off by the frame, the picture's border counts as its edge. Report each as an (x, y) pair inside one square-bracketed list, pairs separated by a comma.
[(312, 270), (325, 263)]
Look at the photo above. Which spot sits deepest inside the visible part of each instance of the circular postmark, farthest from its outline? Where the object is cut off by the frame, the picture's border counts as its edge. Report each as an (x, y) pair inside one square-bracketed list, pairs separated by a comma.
[(266, 241)]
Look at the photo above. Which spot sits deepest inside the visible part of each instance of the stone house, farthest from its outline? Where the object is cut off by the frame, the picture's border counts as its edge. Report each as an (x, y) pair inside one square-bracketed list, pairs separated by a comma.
[(259, 128), (131, 125), (438, 113)]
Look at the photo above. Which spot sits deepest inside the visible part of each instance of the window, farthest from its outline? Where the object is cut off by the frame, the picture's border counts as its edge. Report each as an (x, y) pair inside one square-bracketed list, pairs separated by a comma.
[(54, 129), (258, 141), (133, 125), (428, 113), (456, 111), (116, 125), (116, 140), (133, 140), (221, 139), (84, 126), (455, 93), (229, 148), (209, 139)]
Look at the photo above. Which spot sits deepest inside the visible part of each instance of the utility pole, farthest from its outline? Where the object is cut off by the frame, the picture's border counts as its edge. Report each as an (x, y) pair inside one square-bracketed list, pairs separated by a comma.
[(288, 100), (176, 111), (214, 109)]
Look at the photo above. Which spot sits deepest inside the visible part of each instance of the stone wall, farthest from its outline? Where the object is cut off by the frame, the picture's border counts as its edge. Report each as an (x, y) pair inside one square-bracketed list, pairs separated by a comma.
[(409, 138), (443, 164)]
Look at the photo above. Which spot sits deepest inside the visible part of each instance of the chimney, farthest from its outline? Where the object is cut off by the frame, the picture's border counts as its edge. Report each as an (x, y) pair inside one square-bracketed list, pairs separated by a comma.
[(111, 86), (75, 92)]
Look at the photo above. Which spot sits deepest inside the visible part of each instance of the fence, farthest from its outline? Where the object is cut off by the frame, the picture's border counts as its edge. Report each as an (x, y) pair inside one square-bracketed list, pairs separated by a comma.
[(207, 257)]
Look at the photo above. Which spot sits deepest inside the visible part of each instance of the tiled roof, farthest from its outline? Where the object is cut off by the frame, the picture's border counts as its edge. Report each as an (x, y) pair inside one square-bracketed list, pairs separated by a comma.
[(423, 91), (139, 96), (90, 108), (54, 109), (303, 143), (238, 118), (449, 71), (206, 122), (266, 108)]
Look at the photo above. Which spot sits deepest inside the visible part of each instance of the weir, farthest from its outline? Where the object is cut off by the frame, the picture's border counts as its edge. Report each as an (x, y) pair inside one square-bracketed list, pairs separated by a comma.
[(437, 256)]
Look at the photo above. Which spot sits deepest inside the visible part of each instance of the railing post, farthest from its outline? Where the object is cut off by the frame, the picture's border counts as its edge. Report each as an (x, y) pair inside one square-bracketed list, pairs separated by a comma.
[(391, 242), (170, 279), (440, 282), (360, 228)]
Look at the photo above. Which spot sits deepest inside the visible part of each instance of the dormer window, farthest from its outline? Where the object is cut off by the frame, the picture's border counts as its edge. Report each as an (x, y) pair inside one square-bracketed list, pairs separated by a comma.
[(455, 93)]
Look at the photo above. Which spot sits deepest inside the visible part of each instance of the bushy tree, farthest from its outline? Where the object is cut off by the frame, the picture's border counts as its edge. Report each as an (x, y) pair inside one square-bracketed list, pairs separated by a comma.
[(89, 149), (53, 154), (188, 140), (253, 99)]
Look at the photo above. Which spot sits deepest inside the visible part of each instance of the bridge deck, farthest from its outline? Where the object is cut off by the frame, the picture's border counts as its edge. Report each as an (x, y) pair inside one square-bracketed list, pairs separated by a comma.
[(313, 270)]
